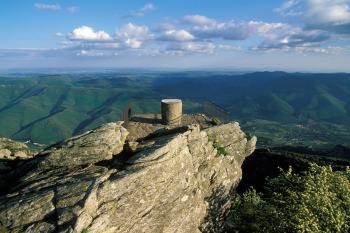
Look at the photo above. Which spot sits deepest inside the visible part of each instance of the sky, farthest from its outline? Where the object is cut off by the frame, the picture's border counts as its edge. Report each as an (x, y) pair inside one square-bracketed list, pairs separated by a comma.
[(289, 35)]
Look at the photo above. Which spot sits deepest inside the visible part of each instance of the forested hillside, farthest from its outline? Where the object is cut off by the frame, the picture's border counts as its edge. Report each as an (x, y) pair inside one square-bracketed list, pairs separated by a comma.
[(280, 108)]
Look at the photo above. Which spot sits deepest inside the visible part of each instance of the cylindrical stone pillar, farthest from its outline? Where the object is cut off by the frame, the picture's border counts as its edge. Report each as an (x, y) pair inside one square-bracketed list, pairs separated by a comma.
[(171, 111)]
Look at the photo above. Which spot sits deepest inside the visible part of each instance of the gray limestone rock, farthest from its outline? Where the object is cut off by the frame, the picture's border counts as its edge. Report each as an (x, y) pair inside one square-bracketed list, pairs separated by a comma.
[(172, 182), (90, 147)]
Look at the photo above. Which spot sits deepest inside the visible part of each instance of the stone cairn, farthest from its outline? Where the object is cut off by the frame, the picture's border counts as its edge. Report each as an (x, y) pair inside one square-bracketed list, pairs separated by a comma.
[(171, 111)]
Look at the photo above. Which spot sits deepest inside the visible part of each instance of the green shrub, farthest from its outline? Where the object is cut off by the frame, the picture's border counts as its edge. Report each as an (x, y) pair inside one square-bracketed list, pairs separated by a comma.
[(316, 201), (215, 121), (221, 150)]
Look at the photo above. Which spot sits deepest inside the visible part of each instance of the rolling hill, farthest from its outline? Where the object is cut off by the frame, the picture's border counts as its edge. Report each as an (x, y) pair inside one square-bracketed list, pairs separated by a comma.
[(280, 108)]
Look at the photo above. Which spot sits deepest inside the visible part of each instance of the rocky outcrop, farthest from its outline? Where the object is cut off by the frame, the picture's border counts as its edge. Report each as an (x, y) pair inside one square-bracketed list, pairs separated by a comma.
[(12, 153), (11, 150), (88, 148), (173, 181)]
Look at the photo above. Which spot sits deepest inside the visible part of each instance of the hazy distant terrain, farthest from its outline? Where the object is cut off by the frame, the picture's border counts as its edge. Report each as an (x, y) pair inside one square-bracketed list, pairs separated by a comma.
[(280, 108)]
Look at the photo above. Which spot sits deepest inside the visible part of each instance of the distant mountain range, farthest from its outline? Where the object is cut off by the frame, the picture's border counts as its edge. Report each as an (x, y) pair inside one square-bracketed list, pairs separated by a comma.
[(280, 108)]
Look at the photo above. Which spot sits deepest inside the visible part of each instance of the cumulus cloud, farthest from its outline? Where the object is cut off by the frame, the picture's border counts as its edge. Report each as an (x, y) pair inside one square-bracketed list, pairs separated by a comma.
[(56, 7), (191, 47), (320, 23), (329, 50), (267, 29), (59, 34), (290, 8), (132, 35), (73, 9), (177, 35), (133, 30), (274, 35), (197, 47), (330, 15), (234, 30), (200, 20), (90, 53), (43, 6), (198, 34), (88, 34), (164, 27), (296, 38), (227, 31), (141, 12), (328, 11), (148, 7), (133, 43)]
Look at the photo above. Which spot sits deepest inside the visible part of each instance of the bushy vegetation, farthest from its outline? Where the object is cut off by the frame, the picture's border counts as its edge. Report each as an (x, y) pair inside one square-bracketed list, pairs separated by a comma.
[(315, 201)]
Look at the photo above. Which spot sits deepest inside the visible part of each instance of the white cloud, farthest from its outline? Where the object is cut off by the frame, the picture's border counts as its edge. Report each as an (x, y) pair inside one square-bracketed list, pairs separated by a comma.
[(228, 31), (73, 9), (192, 47), (141, 12), (43, 6), (182, 48), (235, 30), (333, 50), (133, 43), (133, 30), (274, 35), (295, 38), (328, 50), (289, 8), (196, 34), (264, 29), (334, 12), (132, 35), (177, 35), (331, 15), (148, 7), (164, 27), (59, 34), (199, 20), (90, 53), (88, 34)]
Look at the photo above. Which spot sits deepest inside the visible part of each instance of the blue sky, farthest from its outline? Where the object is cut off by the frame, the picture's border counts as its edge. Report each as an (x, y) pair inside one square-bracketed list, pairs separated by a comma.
[(291, 35)]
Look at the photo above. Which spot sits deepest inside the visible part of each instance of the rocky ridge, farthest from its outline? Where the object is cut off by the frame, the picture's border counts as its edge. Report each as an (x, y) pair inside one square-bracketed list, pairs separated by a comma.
[(175, 180)]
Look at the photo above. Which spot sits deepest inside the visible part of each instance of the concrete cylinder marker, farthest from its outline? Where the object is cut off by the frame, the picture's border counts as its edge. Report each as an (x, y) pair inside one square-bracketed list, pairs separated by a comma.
[(171, 111)]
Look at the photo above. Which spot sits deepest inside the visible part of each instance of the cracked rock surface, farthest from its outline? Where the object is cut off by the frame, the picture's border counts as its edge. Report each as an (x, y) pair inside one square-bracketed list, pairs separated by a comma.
[(176, 181)]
